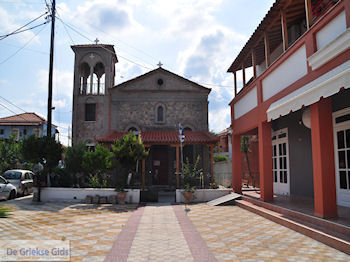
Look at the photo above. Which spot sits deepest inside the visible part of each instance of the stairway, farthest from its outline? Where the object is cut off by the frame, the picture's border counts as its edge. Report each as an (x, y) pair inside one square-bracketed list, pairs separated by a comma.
[(330, 233)]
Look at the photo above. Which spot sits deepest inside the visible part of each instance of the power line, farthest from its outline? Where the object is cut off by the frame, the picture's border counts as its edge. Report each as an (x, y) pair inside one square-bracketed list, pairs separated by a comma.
[(13, 112), (18, 30), (21, 31), (6, 59), (79, 33), (29, 49), (11, 103)]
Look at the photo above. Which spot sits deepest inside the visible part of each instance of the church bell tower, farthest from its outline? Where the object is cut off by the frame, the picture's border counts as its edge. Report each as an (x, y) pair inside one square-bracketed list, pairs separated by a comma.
[(94, 72)]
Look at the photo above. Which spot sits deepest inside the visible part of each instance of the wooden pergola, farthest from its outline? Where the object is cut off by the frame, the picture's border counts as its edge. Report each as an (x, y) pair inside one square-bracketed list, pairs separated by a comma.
[(170, 138)]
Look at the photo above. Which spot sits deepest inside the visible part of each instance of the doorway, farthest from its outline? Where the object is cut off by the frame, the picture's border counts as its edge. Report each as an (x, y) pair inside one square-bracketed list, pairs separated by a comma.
[(280, 161), (160, 165), (341, 123)]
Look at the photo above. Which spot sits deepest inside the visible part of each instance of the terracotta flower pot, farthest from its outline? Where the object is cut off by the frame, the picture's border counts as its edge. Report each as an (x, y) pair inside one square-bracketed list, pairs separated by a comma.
[(188, 196), (121, 197)]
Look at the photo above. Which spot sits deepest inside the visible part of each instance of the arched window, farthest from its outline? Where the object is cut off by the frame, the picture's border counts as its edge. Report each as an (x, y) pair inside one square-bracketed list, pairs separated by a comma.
[(84, 73), (160, 114), (99, 79), (132, 129)]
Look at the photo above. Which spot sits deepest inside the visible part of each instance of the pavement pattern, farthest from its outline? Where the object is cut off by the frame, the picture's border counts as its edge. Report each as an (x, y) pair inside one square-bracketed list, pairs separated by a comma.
[(235, 234), (162, 232), (91, 229)]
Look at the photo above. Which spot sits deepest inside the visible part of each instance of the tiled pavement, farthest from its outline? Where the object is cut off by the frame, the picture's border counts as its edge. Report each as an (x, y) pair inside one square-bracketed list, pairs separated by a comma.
[(163, 233), (234, 234), (91, 229)]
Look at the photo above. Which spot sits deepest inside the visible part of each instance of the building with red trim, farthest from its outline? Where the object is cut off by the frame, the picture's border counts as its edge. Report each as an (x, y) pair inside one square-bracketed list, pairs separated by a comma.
[(297, 102), (152, 105)]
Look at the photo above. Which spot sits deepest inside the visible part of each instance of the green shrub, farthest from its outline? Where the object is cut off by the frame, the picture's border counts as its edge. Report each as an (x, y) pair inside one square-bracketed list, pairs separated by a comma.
[(220, 158), (95, 182), (5, 211), (61, 178)]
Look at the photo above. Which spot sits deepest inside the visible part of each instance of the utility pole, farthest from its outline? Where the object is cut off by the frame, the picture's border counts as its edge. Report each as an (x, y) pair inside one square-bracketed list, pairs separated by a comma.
[(49, 100)]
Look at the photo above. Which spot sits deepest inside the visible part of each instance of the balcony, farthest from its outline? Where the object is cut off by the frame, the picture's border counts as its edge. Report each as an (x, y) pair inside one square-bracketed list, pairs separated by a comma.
[(301, 41)]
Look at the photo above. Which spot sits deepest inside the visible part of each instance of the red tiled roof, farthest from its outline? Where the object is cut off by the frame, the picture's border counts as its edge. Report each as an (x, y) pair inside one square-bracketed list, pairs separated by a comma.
[(22, 119), (164, 137)]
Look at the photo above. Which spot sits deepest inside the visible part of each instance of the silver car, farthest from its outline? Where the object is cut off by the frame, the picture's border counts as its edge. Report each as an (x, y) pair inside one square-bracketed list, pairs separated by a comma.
[(7, 190), (21, 179)]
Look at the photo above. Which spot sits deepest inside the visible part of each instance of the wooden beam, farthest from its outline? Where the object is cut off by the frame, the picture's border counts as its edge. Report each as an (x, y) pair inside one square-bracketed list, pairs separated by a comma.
[(308, 10), (235, 82), (177, 167), (284, 30), (267, 50), (254, 63), (243, 74), (212, 163), (143, 173)]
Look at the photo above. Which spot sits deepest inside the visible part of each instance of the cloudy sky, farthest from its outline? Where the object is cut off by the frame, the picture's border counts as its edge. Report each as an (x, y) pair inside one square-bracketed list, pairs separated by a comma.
[(197, 39)]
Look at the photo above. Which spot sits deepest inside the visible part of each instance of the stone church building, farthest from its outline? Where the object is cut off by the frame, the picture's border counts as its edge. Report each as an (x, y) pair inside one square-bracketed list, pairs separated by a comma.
[(152, 105)]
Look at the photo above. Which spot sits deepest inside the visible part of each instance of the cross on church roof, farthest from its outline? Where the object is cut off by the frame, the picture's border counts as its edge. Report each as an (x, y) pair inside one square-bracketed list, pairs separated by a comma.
[(159, 64), (96, 41)]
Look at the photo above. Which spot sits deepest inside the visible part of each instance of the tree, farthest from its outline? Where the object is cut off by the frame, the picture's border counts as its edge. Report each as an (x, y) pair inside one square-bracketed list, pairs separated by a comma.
[(245, 148), (74, 159), (10, 153), (44, 150), (97, 162), (128, 150)]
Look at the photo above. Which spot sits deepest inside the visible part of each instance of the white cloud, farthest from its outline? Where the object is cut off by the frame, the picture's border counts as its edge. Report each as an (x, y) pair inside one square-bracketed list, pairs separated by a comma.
[(11, 22), (219, 119)]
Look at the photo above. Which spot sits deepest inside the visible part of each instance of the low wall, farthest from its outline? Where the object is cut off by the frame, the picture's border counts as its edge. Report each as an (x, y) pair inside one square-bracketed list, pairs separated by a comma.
[(202, 195), (223, 173), (63, 194)]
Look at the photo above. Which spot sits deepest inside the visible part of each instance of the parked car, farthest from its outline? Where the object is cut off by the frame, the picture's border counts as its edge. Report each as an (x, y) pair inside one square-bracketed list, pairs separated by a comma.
[(21, 179), (7, 190)]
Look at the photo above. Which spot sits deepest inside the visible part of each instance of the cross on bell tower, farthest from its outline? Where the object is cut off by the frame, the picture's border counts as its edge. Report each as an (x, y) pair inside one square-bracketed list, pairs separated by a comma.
[(96, 41)]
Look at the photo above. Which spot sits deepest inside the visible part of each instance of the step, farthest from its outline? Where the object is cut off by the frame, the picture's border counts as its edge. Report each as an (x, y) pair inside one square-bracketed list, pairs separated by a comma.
[(319, 222), (298, 225), (225, 200)]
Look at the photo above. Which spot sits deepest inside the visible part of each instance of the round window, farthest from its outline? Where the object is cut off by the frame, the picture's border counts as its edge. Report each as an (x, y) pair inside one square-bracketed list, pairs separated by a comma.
[(160, 81)]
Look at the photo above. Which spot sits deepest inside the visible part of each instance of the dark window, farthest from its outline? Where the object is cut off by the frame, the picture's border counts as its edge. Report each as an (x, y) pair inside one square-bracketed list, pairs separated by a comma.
[(160, 114), (90, 112), (1, 131), (188, 129), (25, 132), (342, 119)]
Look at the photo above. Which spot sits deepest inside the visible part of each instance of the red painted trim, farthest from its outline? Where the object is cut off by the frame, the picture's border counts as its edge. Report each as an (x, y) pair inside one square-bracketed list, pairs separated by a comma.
[(265, 161), (236, 164), (323, 158)]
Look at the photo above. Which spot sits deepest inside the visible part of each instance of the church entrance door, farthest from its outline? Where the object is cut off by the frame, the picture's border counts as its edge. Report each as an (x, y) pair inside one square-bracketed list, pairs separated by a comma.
[(160, 165)]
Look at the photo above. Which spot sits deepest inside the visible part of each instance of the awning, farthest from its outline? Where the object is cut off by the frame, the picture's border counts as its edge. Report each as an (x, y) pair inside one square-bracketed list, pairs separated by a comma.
[(324, 86), (163, 137)]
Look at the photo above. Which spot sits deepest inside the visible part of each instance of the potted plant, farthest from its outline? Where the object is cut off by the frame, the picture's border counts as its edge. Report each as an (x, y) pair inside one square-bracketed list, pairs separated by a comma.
[(191, 176), (188, 192), (121, 193)]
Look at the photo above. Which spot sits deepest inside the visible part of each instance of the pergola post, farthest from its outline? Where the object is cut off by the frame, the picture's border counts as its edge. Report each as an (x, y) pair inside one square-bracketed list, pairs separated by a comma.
[(308, 11), (284, 30), (143, 173), (243, 74), (235, 82), (267, 50), (254, 63), (177, 167)]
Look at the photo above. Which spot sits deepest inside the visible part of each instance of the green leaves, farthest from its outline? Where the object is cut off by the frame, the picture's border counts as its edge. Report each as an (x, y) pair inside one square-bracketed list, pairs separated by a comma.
[(98, 161), (128, 150), (10, 153)]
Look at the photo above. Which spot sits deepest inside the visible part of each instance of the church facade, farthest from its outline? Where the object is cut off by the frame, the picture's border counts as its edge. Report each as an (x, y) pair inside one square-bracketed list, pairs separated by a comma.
[(152, 105)]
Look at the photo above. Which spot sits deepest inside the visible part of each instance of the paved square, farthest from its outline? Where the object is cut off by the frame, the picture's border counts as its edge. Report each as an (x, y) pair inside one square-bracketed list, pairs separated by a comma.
[(235, 234), (91, 229)]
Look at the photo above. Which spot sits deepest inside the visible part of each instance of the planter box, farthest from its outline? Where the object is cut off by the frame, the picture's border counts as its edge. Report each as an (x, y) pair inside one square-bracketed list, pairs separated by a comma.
[(202, 195), (78, 195)]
